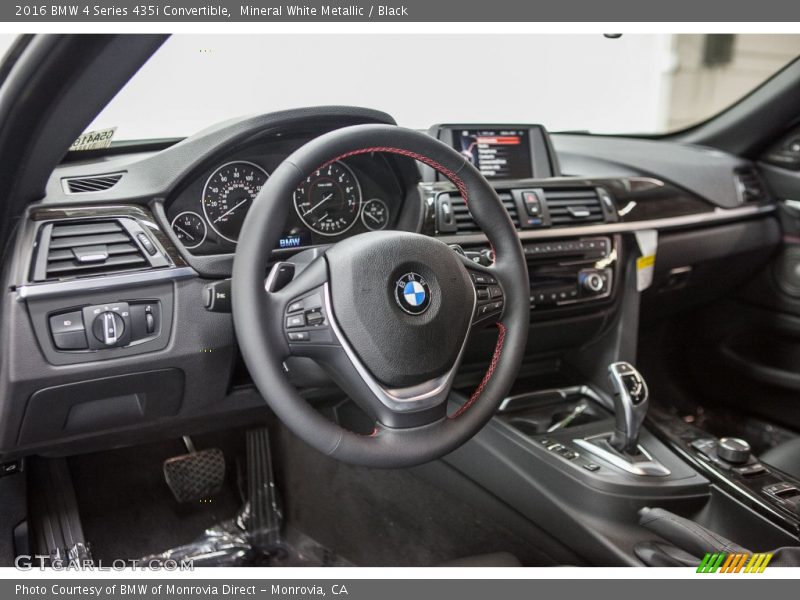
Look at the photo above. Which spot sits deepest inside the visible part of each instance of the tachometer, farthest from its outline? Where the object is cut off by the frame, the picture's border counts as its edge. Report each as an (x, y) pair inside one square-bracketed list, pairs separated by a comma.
[(228, 194), (329, 200)]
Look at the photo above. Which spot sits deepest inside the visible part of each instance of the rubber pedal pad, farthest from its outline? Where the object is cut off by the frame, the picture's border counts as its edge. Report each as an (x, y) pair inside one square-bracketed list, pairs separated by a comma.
[(195, 476)]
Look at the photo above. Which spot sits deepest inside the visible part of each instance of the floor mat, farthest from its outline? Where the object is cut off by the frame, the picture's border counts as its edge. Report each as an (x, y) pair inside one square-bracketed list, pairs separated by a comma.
[(377, 517), (127, 509), (336, 514)]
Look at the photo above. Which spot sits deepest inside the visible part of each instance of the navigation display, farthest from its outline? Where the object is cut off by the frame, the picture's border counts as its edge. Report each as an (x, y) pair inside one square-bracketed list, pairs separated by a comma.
[(497, 154)]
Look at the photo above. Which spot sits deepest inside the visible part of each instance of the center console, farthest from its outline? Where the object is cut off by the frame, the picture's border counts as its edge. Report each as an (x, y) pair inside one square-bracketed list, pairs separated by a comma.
[(575, 447), (731, 464)]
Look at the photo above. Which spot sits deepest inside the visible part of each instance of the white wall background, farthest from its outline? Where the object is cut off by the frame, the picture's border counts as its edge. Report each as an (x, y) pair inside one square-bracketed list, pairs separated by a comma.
[(638, 83), (561, 81)]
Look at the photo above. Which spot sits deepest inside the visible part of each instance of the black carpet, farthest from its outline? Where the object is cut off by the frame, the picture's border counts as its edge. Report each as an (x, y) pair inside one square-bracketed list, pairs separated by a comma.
[(369, 517), (376, 517), (129, 512)]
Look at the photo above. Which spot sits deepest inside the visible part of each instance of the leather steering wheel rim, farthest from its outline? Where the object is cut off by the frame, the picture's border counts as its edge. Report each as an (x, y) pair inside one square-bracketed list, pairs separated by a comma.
[(259, 316)]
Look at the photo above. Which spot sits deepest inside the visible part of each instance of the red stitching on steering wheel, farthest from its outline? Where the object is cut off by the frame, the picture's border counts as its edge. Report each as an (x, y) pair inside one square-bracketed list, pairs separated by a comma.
[(420, 157), (462, 188), (501, 336)]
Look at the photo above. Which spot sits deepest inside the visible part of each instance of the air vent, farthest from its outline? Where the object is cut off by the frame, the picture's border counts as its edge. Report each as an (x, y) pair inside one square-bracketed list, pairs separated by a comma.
[(87, 185), (79, 248), (464, 221), (749, 185), (573, 206)]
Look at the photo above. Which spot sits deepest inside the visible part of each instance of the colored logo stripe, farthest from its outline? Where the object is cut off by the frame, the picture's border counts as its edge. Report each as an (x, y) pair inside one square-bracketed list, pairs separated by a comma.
[(725, 562)]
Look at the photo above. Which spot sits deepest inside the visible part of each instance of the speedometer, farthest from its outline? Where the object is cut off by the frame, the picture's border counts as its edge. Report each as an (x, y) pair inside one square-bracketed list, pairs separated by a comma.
[(329, 200), (228, 194)]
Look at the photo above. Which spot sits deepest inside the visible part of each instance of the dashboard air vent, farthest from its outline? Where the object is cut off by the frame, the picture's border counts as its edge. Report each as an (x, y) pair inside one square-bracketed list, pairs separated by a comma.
[(749, 185), (573, 206), (77, 248), (95, 183), (464, 220)]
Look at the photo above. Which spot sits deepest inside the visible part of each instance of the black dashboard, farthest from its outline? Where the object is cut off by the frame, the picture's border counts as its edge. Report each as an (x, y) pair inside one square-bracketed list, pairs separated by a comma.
[(141, 239)]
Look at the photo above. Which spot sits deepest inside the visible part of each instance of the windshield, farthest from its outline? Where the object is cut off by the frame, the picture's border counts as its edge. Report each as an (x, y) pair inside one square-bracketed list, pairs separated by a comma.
[(632, 84)]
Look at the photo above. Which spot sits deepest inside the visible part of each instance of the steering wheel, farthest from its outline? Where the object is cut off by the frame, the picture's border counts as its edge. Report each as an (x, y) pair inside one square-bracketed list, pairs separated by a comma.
[(386, 313)]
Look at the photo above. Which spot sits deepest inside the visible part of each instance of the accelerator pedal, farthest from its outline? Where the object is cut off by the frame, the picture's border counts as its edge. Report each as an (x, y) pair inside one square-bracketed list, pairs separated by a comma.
[(197, 475), (265, 519)]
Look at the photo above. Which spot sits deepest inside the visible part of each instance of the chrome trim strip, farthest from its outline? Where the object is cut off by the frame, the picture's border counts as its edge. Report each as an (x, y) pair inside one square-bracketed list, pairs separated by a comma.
[(524, 400), (649, 467), (108, 282), (413, 398), (719, 215)]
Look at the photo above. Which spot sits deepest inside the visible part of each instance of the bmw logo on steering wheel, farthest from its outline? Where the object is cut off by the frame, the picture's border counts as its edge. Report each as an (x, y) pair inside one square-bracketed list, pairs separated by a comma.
[(412, 293)]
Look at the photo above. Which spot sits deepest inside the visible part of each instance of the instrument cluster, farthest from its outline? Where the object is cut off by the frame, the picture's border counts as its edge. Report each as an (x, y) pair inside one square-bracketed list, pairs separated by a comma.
[(338, 200)]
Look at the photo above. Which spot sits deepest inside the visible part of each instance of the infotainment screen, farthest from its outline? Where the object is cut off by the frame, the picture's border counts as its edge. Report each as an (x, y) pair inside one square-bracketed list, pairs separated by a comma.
[(497, 153)]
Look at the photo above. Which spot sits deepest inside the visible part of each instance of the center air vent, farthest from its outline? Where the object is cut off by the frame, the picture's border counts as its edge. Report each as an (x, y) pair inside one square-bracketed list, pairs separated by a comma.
[(92, 247), (573, 206), (86, 185), (749, 185), (461, 217)]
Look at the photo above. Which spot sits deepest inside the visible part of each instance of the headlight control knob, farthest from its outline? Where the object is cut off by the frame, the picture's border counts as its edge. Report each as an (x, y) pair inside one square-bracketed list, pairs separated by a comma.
[(108, 328), (733, 450)]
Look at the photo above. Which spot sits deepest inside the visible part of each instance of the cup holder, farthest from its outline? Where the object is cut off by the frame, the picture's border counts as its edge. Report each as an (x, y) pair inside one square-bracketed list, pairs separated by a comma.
[(538, 413)]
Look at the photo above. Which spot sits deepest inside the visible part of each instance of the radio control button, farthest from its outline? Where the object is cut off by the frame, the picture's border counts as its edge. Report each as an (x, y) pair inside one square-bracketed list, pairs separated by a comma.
[(593, 282)]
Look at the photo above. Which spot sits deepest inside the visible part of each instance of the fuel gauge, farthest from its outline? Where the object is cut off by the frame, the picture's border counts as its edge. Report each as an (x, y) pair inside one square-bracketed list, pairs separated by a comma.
[(375, 214), (190, 229)]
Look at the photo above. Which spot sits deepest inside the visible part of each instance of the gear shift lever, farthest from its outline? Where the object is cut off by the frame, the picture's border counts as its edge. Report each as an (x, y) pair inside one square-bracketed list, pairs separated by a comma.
[(630, 405), (621, 447)]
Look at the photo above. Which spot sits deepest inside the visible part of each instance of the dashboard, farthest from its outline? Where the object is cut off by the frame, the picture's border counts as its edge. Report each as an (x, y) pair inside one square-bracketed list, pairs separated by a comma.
[(342, 199), (116, 272)]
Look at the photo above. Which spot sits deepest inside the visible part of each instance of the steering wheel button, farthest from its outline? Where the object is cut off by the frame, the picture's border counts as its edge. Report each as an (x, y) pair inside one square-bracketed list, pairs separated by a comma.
[(314, 317), (295, 321), (495, 291), (299, 336), (483, 294), (295, 307)]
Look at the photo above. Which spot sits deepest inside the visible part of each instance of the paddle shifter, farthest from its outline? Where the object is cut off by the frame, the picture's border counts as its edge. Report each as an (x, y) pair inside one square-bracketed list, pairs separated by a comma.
[(630, 405)]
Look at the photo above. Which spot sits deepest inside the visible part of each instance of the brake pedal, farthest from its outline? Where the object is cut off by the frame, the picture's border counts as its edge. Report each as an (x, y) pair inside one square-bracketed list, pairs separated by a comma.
[(197, 475)]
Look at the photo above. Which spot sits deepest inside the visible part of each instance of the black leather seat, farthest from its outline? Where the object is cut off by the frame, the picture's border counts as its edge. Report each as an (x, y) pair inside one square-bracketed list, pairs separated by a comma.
[(785, 456)]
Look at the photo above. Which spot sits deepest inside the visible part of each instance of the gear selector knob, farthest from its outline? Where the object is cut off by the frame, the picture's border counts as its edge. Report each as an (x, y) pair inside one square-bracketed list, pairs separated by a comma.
[(630, 405)]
